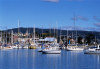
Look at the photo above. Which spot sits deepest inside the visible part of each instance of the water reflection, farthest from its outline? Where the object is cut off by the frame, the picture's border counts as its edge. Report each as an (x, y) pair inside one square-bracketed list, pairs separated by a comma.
[(31, 59)]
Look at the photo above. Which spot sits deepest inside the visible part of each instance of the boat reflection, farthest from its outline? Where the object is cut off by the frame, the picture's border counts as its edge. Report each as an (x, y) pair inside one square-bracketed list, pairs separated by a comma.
[(31, 59)]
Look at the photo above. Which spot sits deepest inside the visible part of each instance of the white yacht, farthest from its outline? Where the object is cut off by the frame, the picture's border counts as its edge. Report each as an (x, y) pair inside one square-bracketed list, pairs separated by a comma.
[(92, 50), (75, 47), (52, 50)]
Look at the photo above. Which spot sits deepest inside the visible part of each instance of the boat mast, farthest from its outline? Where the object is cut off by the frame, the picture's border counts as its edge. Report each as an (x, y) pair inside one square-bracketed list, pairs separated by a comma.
[(50, 29), (27, 33), (42, 31), (60, 33), (12, 37), (6, 35), (56, 30), (1, 34), (34, 33), (75, 28), (95, 40), (18, 26), (67, 36)]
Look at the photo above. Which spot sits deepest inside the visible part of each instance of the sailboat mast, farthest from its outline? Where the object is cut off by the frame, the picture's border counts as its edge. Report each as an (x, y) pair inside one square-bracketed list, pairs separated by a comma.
[(95, 40), (50, 30), (1, 34), (67, 36), (75, 27), (34, 33), (60, 32), (27, 33), (18, 26), (6, 35), (56, 30), (42, 31), (12, 37)]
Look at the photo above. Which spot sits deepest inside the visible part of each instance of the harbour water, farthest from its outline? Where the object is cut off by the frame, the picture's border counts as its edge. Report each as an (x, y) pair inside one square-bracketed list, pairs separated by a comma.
[(31, 59)]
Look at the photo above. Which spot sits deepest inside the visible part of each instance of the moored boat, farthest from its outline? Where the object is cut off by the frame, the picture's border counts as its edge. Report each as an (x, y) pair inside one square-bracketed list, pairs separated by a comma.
[(52, 50), (92, 50), (75, 47)]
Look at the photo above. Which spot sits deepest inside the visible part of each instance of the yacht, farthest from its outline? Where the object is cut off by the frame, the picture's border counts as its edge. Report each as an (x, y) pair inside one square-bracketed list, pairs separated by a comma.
[(75, 47), (93, 50), (52, 50)]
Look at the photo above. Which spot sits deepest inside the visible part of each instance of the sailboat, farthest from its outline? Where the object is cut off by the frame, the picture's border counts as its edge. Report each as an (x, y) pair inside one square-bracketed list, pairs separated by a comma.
[(52, 49), (33, 44), (75, 47)]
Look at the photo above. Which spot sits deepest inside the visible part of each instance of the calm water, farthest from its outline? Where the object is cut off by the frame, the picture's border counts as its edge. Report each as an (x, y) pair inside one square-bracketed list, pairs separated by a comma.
[(31, 59)]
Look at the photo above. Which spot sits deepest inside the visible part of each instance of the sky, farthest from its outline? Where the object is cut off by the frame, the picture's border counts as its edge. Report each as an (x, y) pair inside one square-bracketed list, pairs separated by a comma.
[(50, 14)]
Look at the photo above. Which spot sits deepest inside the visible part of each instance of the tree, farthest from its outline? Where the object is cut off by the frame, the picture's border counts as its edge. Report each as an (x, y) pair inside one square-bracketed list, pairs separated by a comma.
[(80, 40), (90, 38)]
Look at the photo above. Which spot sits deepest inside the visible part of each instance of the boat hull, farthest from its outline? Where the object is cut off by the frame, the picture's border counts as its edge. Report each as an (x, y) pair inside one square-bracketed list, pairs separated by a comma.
[(75, 49), (92, 52), (51, 52)]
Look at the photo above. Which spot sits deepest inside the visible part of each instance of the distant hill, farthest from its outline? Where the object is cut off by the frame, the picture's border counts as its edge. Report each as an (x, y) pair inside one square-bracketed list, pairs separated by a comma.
[(63, 32)]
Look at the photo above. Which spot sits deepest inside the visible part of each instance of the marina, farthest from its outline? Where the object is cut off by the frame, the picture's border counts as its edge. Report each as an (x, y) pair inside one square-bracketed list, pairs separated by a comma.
[(48, 52), (49, 34)]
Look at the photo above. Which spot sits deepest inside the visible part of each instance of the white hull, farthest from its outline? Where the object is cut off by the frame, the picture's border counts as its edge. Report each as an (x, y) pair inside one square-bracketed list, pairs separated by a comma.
[(25, 47), (52, 52), (75, 49), (19, 47), (15, 46), (92, 51)]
